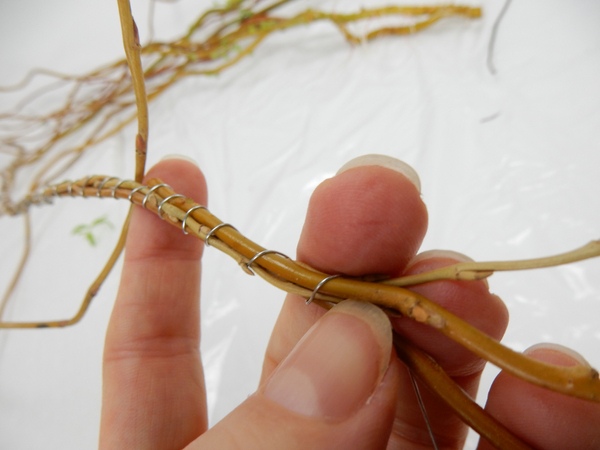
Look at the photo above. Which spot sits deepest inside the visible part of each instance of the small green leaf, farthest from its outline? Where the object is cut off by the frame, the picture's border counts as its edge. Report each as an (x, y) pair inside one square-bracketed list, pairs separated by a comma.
[(99, 220), (87, 230), (79, 229), (91, 239)]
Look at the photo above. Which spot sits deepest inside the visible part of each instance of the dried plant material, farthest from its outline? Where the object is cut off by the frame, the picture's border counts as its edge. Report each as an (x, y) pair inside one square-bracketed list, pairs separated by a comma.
[(242, 28), (87, 230), (98, 105)]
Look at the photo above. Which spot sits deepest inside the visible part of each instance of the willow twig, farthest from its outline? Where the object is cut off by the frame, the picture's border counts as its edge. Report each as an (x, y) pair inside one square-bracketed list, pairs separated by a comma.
[(442, 386), (480, 270), (23, 260), (131, 42)]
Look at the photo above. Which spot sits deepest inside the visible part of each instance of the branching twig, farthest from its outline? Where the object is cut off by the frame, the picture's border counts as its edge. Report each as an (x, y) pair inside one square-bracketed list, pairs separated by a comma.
[(101, 103)]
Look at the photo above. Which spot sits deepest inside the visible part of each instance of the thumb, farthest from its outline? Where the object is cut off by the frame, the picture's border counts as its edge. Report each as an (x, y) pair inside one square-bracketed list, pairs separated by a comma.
[(336, 389)]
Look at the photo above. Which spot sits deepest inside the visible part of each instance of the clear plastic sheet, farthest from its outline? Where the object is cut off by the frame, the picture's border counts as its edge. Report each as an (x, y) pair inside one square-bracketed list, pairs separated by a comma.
[(508, 164)]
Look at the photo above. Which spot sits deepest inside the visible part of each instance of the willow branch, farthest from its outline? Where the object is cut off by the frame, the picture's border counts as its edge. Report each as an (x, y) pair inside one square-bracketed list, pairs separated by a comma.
[(480, 270), (23, 260), (441, 385), (131, 42)]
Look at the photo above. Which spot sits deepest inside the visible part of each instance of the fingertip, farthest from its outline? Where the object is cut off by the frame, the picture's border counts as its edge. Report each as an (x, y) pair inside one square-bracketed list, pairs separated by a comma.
[(179, 157), (337, 365), (367, 219), (337, 389), (182, 174), (384, 161), (556, 354), (544, 418)]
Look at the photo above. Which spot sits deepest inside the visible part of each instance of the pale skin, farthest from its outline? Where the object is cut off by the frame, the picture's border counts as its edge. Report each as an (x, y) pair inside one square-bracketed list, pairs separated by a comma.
[(365, 220)]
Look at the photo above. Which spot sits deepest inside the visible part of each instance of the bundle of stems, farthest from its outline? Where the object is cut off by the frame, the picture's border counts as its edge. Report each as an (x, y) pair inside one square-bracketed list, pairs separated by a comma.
[(100, 104), (194, 219)]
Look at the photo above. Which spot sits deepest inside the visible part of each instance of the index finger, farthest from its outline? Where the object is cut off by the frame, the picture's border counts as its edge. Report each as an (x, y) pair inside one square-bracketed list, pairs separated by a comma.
[(153, 385), (368, 219)]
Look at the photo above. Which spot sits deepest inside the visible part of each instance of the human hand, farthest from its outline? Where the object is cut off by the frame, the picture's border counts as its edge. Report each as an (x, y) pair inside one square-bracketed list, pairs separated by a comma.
[(330, 380)]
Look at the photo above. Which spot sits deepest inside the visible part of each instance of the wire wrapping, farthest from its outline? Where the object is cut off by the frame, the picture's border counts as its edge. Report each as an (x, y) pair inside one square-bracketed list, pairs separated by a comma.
[(260, 254), (166, 200), (187, 214), (214, 230), (323, 281)]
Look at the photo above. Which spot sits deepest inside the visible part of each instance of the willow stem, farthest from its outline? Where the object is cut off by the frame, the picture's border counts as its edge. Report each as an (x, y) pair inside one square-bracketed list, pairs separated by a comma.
[(131, 42)]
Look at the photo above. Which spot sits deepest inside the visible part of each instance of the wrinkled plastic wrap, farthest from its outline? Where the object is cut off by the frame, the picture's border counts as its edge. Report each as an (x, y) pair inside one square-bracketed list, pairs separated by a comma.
[(508, 162)]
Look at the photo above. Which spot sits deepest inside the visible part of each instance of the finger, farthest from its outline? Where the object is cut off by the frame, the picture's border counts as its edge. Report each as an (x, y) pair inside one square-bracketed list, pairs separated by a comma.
[(153, 385), (470, 300), (543, 418), (367, 219), (337, 389)]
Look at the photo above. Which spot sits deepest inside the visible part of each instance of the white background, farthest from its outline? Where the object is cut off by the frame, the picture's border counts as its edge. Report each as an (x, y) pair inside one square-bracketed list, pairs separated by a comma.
[(508, 162)]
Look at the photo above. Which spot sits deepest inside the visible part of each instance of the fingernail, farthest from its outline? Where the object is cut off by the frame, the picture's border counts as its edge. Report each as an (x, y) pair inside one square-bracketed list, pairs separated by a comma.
[(556, 354), (181, 157), (384, 161), (337, 365)]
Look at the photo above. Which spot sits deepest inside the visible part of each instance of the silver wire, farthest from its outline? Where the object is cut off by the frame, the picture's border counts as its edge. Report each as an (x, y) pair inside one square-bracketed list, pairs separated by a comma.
[(221, 225), (152, 190), (189, 211), (101, 185), (422, 406), (492, 43), (262, 253), (116, 186), (321, 283), (83, 184), (166, 200), (133, 191)]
